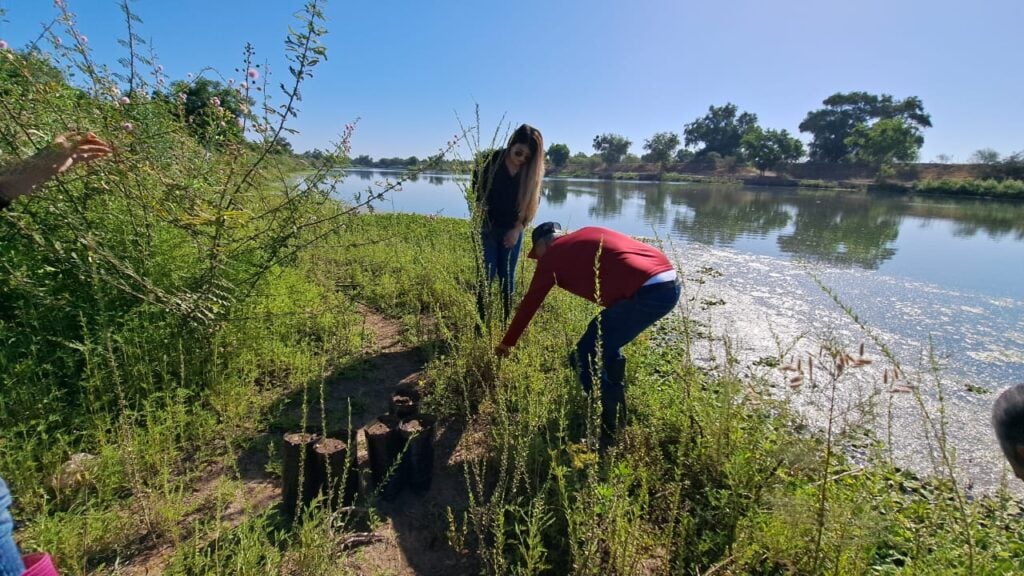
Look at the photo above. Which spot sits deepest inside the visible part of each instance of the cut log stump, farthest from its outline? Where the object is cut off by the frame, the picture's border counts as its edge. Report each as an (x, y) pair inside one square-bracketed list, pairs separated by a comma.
[(334, 470), (384, 447), (417, 433), (299, 472)]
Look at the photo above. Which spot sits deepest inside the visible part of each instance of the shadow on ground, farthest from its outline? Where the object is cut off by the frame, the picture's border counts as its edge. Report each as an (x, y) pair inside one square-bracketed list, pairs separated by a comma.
[(412, 533), (415, 528)]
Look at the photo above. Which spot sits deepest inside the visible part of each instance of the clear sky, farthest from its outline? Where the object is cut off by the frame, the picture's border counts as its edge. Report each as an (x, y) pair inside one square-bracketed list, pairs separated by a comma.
[(578, 68)]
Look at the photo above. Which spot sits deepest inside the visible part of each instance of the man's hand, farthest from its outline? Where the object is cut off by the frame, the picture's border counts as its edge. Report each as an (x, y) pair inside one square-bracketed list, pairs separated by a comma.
[(502, 351)]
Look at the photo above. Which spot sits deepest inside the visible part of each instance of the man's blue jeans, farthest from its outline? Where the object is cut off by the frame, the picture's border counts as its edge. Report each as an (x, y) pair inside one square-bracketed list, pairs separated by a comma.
[(10, 557), (499, 262), (616, 326)]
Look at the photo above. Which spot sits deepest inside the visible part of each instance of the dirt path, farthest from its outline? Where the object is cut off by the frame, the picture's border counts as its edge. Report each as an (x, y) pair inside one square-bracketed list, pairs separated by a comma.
[(412, 531)]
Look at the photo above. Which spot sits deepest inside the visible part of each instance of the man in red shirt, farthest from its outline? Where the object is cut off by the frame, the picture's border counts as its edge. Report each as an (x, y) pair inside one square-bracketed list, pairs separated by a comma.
[(634, 282)]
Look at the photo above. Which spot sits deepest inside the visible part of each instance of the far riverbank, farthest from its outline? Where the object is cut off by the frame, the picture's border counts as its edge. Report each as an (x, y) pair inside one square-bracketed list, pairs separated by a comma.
[(972, 180), (952, 180)]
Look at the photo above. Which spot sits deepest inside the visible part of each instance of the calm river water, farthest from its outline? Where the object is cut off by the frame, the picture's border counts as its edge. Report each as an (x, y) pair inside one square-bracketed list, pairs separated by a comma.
[(939, 281)]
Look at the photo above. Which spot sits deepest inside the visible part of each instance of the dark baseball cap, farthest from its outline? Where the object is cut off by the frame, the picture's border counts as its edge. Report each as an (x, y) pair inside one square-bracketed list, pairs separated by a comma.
[(542, 230)]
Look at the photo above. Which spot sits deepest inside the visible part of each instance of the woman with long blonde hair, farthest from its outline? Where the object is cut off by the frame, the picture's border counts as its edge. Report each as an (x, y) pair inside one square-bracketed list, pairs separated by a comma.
[(507, 189)]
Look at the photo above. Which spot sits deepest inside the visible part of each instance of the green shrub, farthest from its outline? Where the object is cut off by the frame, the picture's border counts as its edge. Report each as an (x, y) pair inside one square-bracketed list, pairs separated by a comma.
[(971, 187)]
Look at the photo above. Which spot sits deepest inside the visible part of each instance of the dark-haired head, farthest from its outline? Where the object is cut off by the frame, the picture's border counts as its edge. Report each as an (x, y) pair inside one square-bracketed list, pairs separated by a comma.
[(528, 135), (1008, 423)]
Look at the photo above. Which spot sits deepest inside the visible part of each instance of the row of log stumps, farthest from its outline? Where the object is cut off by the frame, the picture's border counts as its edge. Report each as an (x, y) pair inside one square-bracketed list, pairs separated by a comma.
[(319, 465), (400, 446)]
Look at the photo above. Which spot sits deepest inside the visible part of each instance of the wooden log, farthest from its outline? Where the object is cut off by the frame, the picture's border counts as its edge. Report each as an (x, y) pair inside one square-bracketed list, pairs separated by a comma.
[(402, 406), (405, 401), (417, 434), (298, 472), (384, 446), (333, 470), (349, 436)]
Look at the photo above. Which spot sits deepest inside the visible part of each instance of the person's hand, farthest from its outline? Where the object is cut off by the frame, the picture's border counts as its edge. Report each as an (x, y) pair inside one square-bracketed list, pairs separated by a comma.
[(71, 149), (502, 351), (66, 151), (512, 236)]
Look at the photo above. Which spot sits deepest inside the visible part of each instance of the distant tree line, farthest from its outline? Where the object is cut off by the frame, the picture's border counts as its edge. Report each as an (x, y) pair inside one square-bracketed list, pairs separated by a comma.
[(854, 127), (875, 130), (366, 161)]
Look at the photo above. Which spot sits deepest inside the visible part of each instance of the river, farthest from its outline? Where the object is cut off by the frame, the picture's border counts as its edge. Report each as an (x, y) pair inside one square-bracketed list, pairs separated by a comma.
[(937, 281)]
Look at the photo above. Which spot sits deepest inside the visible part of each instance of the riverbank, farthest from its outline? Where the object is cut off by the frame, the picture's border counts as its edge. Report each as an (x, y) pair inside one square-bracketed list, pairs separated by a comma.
[(950, 180), (954, 180), (715, 470)]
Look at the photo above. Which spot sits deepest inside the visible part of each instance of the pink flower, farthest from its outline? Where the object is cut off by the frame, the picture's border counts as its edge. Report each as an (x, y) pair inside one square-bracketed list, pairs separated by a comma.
[(58, 41), (253, 73), (83, 39), (231, 81), (128, 127), (3, 45), (125, 100), (189, 75), (215, 101)]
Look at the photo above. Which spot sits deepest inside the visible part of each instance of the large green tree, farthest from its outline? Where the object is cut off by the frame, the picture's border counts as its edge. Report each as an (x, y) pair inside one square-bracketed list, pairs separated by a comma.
[(720, 130), (831, 126), (767, 149), (611, 147), (558, 155), (210, 109), (885, 142), (660, 147)]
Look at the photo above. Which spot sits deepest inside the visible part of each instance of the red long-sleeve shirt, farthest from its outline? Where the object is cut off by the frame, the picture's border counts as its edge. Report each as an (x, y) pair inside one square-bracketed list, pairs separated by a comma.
[(570, 262)]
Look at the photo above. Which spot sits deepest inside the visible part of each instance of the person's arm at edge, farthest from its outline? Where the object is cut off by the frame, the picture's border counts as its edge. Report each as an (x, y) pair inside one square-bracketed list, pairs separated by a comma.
[(541, 284), (22, 178)]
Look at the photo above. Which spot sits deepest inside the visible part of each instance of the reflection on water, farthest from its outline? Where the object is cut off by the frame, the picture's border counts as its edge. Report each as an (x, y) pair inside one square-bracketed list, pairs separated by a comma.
[(967, 244)]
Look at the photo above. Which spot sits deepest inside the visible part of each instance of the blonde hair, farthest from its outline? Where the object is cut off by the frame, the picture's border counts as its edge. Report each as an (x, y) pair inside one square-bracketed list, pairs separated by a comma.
[(529, 185)]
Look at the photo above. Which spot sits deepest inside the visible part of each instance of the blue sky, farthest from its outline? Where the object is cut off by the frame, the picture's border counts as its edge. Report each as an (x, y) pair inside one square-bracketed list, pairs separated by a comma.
[(579, 68)]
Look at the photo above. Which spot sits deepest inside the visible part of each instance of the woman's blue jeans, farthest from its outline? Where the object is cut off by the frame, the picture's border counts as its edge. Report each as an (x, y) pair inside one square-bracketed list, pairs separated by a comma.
[(10, 556), (499, 262), (616, 326)]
